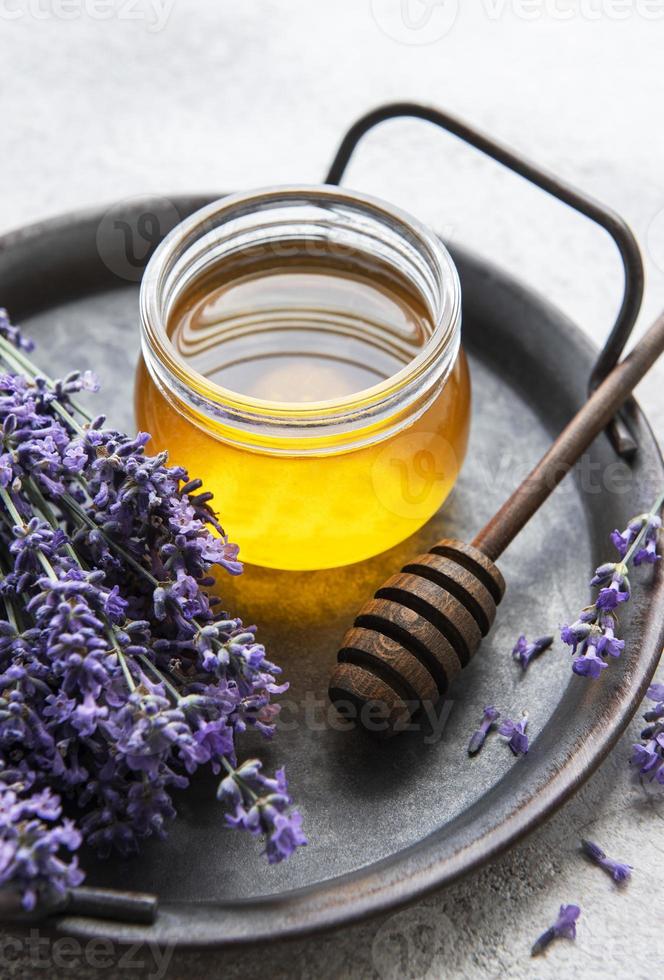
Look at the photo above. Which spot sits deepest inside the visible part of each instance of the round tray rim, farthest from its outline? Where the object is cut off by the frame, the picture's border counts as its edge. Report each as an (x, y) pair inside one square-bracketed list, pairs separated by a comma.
[(400, 878)]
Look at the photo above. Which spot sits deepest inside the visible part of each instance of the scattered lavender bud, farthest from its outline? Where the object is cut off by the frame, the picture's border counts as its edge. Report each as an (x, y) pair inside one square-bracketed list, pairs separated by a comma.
[(619, 872), (479, 737), (524, 652), (515, 733), (564, 927)]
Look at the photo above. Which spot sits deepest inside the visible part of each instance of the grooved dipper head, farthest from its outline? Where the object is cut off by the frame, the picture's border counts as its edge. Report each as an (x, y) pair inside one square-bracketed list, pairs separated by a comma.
[(410, 641)]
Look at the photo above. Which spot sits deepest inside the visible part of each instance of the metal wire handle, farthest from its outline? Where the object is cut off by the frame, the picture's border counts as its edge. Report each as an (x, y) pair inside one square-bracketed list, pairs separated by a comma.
[(622, 439)]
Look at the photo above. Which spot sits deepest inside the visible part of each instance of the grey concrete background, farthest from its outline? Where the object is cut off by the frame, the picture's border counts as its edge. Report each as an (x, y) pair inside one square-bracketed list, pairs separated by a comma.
[(108, 99)]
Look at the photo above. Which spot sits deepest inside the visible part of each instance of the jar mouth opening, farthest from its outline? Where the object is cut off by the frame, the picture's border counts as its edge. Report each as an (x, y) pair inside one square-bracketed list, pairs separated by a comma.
[(321, 213)]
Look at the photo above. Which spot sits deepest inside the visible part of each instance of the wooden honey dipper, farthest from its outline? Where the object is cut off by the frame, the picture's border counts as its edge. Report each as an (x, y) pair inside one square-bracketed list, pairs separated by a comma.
[(424, 624)]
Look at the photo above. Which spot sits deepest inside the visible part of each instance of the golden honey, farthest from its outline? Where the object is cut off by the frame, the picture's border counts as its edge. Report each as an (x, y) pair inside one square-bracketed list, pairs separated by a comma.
[(309, 379)]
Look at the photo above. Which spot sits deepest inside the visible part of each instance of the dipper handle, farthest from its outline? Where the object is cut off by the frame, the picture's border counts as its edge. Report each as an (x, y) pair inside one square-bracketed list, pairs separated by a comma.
[(425, 623), (575, 438)]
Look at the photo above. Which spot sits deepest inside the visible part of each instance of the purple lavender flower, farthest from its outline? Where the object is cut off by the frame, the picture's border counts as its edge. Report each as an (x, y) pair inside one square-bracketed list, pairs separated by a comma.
[(32, 841), (619, 872), (120, 676), (515, 733), (593, 636), (524, 652), (478, 737), (563, 927), (589, 665), (646, 527), (607, 644), (261, 808), (647, 758), (578, 632), (648, 755), (655, 693), (648, 553), (623, 540), (611, 597), (13, 334)]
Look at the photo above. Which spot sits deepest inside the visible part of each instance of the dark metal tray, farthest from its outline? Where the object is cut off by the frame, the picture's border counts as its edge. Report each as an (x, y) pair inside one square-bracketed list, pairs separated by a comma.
[(387, 821)]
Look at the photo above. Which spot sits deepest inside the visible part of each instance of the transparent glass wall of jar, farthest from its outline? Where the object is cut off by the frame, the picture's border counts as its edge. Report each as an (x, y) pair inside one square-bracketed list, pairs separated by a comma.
[(301, 355)]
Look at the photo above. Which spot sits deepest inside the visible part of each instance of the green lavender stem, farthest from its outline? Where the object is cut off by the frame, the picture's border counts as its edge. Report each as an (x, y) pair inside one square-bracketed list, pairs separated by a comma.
[(17, 360)]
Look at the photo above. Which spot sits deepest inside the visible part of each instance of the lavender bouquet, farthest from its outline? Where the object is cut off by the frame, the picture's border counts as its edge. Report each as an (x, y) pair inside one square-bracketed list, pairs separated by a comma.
[(119, 675)]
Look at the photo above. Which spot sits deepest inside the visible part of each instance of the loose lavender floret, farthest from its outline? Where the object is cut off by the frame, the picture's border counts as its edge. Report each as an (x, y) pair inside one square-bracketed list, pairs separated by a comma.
[(515, 733), (648, 755), (120, 675), (619, 872), (524, 652), (478, 737), (593, 636), (564, 927)]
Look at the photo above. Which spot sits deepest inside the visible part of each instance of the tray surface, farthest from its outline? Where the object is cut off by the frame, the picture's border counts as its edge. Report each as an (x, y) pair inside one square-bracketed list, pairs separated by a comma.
[(386, 821)]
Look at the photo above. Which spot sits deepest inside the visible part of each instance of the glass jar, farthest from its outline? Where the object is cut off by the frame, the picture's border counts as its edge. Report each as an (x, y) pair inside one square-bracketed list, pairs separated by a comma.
[(312, 483)]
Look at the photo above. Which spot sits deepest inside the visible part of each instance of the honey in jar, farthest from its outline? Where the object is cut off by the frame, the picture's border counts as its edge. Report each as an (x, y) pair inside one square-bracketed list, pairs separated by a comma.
[(301, 356)]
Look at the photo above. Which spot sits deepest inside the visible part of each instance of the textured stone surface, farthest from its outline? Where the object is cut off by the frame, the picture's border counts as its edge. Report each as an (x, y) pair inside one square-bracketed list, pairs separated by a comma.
[(233, 95)]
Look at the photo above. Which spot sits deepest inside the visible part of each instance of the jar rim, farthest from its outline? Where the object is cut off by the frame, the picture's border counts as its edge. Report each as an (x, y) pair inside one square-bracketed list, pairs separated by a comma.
[(173, 373)]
